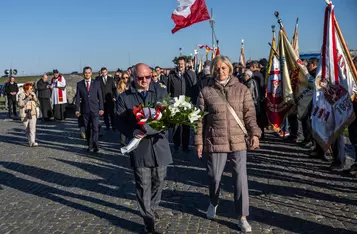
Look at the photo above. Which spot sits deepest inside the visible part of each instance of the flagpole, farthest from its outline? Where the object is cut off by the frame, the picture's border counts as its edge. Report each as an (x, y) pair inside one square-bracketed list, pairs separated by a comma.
[(343, 42), (280, 21), (211, 21)]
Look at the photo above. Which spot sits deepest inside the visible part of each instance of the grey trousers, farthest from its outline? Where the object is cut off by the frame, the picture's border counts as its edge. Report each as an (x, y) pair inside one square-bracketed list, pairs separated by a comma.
[(30, 126), (149, 184), (215, 166)]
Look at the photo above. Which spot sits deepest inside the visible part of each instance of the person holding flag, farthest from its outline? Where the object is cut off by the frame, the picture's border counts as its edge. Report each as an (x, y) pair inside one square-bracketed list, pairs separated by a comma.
[(335, 84)]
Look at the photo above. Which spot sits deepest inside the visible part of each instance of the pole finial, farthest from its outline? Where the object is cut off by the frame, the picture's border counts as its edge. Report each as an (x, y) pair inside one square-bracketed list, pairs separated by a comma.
[(277, 15)]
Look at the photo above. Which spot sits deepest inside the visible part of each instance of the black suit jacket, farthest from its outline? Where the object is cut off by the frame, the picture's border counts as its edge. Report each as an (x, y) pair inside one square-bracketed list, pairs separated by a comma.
[(109, 89), (89, 102)]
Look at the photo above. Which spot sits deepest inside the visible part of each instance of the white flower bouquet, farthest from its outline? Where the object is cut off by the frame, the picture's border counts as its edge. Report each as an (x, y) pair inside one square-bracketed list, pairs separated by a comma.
[(163, 115)]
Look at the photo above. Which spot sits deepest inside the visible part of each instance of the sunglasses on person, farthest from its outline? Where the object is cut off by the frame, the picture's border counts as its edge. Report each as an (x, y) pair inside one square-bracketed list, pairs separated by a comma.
[(141, 78)]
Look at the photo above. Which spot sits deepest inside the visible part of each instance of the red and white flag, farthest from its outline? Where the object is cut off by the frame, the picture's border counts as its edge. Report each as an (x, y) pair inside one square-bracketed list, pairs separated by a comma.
[(201, 46), (334, 85), (189, 12)]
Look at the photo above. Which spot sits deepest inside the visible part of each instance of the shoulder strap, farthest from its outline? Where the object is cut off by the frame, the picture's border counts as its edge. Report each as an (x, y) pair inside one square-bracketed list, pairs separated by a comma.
[(235, 116)]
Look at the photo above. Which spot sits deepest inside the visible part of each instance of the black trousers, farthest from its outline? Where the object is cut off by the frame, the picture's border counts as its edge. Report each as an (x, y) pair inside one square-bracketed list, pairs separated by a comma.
[(59, 111), (184, 132), (109, 113), (11, 103), (306, 124), (91, 122), (294, 125), (149, 184), (45, 105)]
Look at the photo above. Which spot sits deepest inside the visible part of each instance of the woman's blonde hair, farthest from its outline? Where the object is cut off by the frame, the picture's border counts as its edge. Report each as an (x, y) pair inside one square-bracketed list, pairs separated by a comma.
[(223, 59), (125, 73), (121, 86)]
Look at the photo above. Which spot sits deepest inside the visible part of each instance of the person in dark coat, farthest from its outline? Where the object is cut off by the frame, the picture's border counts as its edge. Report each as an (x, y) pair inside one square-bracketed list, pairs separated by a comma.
[(182, 82), (89, 103), (11, 90), (254, 90), (162, 78), (44, 96), (151, 158), (109, 93)]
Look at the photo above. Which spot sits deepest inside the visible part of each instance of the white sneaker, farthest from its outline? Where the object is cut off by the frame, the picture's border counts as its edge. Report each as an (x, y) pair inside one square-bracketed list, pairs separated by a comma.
[(211, 211), (34, 144), (244, 225)]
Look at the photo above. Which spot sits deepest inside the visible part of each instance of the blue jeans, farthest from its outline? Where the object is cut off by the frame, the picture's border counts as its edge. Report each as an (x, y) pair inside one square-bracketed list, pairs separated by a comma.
[(285, 125)]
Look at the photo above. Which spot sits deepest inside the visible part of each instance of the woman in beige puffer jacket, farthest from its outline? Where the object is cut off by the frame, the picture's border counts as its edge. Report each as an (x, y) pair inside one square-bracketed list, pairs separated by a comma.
[(28, 112), (220, 136)]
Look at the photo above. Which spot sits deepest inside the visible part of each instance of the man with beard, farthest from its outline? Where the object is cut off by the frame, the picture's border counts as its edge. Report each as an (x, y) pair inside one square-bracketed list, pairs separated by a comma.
[(152, 156)]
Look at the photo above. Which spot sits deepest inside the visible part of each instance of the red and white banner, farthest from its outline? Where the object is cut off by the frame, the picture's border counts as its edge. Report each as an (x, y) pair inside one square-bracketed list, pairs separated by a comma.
[(189, 12), (334, 85), (277, 106)]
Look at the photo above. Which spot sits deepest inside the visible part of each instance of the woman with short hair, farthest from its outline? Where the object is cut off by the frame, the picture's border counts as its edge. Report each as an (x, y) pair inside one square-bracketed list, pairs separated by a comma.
[(28, 112), (222, 134)]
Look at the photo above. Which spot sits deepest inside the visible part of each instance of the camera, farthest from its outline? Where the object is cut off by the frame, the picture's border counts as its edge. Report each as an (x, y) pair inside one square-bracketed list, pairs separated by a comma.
[(28, 114)]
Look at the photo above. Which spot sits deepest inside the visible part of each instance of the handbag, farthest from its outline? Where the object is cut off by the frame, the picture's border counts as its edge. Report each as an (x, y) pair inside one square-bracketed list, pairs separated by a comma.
[(235, 116)]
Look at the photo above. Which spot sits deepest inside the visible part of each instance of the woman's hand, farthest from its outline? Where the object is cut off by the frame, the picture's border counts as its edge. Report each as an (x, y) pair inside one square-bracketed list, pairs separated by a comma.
[(254, 143), (199, 150)]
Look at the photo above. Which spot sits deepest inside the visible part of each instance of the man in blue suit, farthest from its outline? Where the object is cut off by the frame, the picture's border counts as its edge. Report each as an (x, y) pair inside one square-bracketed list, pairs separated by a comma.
[(89, 103)]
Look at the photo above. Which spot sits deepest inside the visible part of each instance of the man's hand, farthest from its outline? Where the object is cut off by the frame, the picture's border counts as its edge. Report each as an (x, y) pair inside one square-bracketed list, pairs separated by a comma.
[(139, 134), (114, 100), (101, 112), (78, 114), (199, 150), (254, 143)]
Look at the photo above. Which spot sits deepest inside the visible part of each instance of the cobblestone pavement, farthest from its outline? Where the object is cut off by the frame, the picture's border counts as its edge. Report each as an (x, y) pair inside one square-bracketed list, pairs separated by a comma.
[(60, 188)]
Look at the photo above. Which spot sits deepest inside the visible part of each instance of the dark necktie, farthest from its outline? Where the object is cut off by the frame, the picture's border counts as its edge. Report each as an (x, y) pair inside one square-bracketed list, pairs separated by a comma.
[(144, 94)]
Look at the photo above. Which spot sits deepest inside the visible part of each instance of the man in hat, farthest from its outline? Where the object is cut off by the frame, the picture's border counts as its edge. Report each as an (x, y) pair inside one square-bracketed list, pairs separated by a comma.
[(59, 96)]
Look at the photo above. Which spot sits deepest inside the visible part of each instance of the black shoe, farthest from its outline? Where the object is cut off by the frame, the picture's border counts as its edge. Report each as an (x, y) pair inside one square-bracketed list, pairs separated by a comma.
[(89, 149), (149, 230), (107, 128), (336, 166), (176, 148), (291, 139), (95, 150)]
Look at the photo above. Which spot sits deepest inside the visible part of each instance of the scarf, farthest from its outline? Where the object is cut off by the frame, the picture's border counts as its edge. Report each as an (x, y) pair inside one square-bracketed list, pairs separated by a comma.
[(224, 82)]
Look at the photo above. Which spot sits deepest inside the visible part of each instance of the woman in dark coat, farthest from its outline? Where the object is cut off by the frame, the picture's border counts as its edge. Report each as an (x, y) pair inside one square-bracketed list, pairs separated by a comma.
[(44, 95)]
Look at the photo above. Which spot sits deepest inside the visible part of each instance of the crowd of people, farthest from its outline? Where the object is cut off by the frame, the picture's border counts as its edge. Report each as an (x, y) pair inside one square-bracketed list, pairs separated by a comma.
[(232, 94)]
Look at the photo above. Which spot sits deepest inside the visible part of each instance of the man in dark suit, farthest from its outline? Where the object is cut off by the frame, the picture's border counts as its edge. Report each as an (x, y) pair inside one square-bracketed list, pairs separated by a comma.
[(89, 103), (109, 93), (182, 82), (152, 156)]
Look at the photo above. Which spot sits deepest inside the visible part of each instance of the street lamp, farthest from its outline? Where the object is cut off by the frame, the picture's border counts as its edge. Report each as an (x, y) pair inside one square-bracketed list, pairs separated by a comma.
[(10, 72)]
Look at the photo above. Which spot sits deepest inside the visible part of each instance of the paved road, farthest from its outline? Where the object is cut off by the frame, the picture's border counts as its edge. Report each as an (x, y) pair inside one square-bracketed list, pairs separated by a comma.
[(60, 188)]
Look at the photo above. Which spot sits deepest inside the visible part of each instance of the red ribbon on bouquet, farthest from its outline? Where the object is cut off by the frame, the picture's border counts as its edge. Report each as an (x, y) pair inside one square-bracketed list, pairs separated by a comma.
[(143, 114)]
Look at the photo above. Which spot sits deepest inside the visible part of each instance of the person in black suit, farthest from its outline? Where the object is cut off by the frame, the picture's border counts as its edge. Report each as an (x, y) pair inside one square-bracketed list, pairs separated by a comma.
[(109, 93), (89, 103)]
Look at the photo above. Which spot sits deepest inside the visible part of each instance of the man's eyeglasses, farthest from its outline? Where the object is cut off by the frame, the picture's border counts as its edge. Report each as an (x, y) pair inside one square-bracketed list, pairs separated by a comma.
[(144, 77)]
